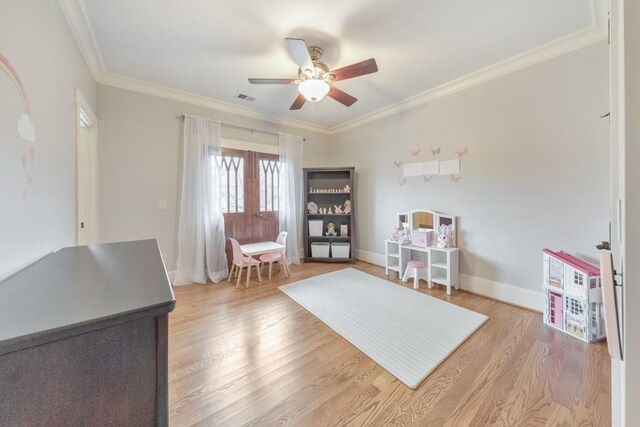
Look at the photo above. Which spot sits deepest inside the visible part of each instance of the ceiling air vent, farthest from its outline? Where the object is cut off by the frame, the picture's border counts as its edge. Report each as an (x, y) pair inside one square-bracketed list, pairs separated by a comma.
[(245, 97)]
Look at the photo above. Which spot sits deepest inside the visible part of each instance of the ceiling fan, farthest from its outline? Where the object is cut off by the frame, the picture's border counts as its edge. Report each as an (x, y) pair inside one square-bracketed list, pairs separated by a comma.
[(315, 80)]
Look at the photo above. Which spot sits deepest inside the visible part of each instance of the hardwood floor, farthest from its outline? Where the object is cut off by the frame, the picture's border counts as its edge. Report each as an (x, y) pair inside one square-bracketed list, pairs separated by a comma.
[(255, 357)]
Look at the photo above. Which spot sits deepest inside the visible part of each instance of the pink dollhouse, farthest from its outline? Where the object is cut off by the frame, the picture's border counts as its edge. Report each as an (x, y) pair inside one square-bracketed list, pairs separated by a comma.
[(573, 296)]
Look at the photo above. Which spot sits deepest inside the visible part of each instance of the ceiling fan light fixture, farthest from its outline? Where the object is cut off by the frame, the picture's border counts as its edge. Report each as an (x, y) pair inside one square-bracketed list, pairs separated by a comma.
[(313, 89)]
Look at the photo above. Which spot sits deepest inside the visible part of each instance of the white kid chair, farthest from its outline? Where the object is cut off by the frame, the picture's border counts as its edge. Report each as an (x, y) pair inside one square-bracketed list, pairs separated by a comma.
[(272, 257)]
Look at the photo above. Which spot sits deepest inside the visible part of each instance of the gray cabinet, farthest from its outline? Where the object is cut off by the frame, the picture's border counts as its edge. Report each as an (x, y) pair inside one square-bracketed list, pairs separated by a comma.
[(83, 338)]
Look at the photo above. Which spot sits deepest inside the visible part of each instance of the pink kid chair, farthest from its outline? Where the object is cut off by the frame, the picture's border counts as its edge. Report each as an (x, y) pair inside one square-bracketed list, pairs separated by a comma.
[(272, 257), (240, 261), (417, 270)]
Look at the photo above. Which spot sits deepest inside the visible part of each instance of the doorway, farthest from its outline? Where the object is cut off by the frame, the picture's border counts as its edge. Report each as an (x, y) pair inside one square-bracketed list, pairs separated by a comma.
[(87, 173), (250, 196)]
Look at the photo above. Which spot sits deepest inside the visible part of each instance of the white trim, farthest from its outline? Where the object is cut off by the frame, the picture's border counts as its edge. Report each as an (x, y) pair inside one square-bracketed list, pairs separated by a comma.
[(179, 95), (76, 14), (523, 60), (515, 295), (86, 171), (85, 108), (171, 274), (370, 257), (237, 144)]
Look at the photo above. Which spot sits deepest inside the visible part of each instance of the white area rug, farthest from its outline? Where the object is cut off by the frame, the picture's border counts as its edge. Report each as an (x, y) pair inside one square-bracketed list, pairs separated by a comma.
[(406, 332)]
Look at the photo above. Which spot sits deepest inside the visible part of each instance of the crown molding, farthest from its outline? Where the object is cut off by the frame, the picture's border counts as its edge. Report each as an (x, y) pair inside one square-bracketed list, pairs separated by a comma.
[(179, 95), (542, 53), (78, 20)]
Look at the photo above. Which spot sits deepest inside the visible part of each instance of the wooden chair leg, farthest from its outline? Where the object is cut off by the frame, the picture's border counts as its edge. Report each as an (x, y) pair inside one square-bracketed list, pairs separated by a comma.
[(270, 265), (239, 269), (233, 267), (259, 274), (246, 285)]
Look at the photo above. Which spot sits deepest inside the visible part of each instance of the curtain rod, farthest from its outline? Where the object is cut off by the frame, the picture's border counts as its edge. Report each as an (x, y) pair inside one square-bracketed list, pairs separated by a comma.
[(226, 125)]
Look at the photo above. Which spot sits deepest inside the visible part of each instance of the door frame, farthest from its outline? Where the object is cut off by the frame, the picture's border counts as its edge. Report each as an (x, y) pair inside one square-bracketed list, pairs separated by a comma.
[(86, 124), (252, 218)]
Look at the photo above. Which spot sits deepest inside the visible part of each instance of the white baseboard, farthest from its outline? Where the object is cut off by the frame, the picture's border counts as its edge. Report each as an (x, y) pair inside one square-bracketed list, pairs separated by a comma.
[(370, 257), (515, 295), (511, 294), (171, 274)]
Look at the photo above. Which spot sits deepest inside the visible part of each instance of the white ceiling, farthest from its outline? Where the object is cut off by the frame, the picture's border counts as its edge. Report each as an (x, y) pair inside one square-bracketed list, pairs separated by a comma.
[(211, 48)]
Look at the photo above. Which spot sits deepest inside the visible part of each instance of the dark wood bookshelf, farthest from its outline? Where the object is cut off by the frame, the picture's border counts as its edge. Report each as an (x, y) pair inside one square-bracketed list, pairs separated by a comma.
[(329, 179)]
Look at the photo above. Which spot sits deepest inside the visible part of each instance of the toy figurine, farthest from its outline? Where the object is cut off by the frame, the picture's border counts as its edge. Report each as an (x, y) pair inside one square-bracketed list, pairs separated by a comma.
[(331, 229), (338, 209), (444, 233), (329, 211), (313, 208), (347, 207), (347, 189)]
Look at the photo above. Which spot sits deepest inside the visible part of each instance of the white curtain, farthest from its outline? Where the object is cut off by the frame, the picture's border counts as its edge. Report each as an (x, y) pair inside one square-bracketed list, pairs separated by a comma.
[(201, 239), (290, 214)]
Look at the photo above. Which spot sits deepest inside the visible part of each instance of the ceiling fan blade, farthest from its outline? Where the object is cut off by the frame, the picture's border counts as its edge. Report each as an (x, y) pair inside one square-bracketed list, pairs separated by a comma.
[(355, 70), (298, 103), (342, 97), (300, 53), (271, 81)]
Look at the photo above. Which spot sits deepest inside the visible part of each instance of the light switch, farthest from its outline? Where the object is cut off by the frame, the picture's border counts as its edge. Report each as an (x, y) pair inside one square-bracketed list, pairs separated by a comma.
[(162, 204)]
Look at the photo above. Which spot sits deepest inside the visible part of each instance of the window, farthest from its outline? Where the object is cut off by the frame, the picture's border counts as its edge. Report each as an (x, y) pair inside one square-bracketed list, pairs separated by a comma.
[(269, 185), (232, 182), (574, 307), (578, 279)]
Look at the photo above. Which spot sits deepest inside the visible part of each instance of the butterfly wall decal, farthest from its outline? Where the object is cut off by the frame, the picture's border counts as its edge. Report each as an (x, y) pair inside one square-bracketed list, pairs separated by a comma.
[(463, 152), (456, 179), (403, 181), (415, 152), (397, 163), (435, 151), (427, 178)]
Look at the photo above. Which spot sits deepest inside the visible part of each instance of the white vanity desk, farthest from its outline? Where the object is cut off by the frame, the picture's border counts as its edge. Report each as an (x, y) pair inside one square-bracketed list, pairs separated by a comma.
[(442, 263)]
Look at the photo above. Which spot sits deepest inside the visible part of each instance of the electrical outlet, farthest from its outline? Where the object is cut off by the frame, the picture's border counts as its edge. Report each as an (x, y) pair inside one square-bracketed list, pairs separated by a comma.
[(162, 204)]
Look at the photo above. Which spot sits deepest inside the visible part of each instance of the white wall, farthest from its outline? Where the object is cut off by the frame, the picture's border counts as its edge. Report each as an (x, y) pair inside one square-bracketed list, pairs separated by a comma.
[(536, 174), (35, 37), (139, 143)]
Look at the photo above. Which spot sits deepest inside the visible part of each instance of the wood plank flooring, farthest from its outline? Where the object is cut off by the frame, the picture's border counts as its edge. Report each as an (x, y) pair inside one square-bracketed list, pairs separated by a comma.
[(255, 357)]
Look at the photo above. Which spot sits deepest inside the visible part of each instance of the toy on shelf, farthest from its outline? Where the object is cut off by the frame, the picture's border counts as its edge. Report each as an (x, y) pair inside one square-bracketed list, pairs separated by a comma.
[(444, 236), (345, 190), (422, 237), (338, 209), (347, 207), (401, 235), (312, 208), (573, 296), (331, 229)]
